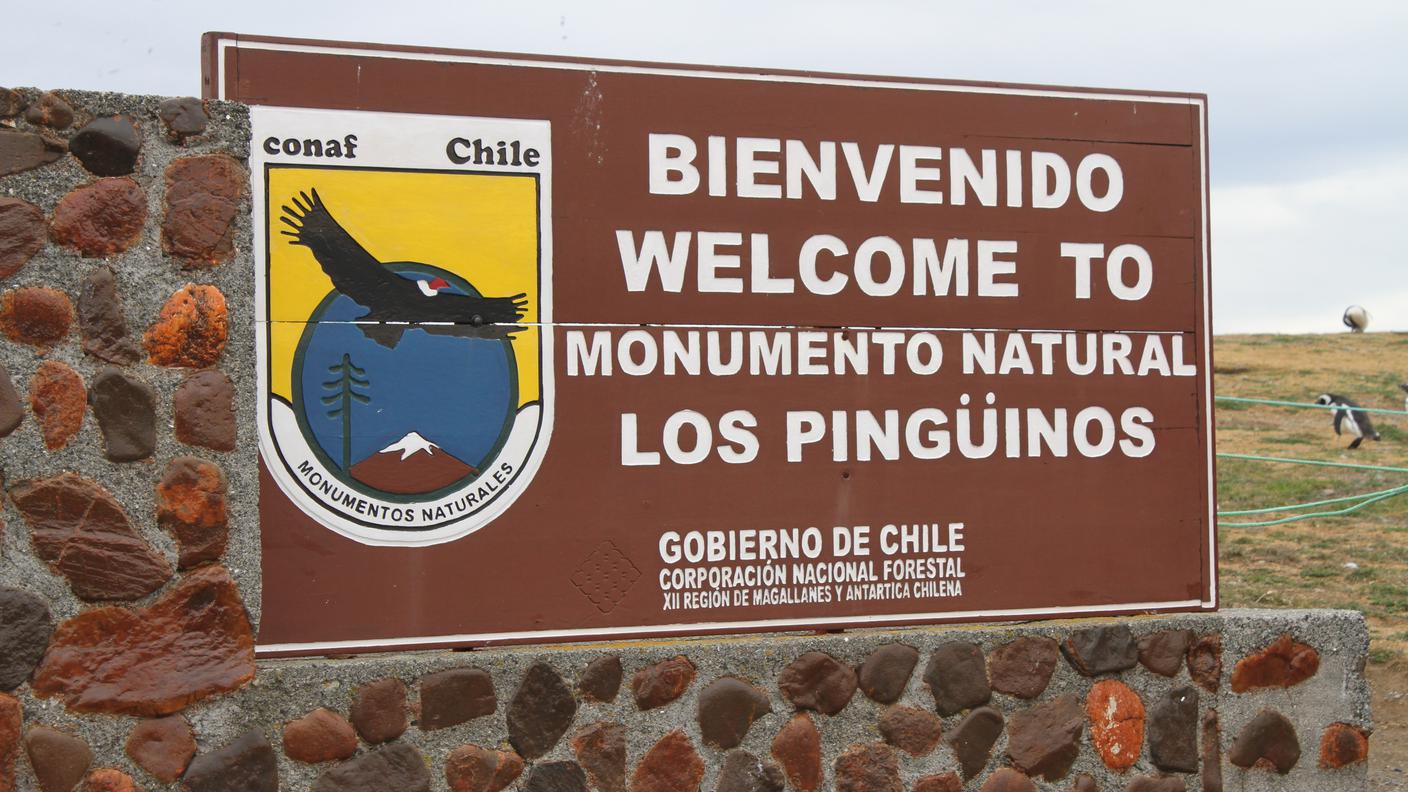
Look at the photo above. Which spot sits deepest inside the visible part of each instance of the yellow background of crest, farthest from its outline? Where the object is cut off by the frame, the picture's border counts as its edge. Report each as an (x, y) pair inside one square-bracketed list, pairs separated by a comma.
[(482, 228)]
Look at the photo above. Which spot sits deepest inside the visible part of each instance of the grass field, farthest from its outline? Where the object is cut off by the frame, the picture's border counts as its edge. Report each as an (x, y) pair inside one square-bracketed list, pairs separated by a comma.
[(1303, 564), (1357, 561)]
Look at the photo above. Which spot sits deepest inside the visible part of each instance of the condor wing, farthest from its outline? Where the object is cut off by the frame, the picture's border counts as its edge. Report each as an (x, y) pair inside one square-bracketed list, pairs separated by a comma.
[(354, 271)]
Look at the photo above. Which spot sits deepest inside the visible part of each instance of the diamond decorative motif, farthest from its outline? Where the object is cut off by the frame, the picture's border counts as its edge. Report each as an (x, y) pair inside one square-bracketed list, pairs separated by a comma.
[(605, 576)]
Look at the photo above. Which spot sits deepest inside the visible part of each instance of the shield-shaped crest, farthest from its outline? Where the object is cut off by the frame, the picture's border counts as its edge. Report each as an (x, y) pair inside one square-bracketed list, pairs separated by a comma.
[(405, 367)]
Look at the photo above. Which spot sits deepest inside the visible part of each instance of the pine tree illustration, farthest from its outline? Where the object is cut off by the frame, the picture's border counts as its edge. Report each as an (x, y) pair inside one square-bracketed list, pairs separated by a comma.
[(350, 385)]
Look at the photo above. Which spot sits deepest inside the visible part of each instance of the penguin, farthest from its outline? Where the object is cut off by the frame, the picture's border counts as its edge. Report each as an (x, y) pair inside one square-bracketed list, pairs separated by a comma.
[(1356, 319), (1403, 386), (1359, 424)]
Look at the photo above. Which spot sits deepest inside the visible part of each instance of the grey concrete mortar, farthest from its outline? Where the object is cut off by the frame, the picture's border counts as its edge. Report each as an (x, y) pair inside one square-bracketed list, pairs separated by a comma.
[(287, 689), (146, 279)]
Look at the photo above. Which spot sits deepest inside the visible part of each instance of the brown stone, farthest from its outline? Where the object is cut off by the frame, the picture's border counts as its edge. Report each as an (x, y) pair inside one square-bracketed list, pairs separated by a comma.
[(1023, 667), (22, 234), (1173, 731), (744, 772), (126, 411), (727, 707), (320, 736), (1101, 650), (1163, 652), (912, 730), (957, 676), (11, 406), (1156, 783), (818, 681), (193, 642), (886, 672), (1116, 716), (246, 765), (59, 760), (798, 749), (1008, 780), (203, 197), (79, 529), (379, 710), (162, 746), (1212, 753), (51, 111), (191, 505), (204, 408), (1284, 663), (471, 768), (601, 750), (449, 698), (1045, 739), (601, 680), (1085, 783), (59, 400), (868, 768), (36, 315), (972, 740), (11, 725), (396, 767), (192, 329), (555, 777), (22, 151), (108, 146), (540, 712), (1343, 745), (25, 627), (948, 782), (12, 103), (103, 322), (183, 117), (109, 780), (659, 684), (1205, 662), (1268, 740), (671, 765), (100, 219)]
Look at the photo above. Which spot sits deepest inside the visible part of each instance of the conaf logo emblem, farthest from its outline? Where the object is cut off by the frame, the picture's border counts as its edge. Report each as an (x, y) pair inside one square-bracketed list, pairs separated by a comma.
[(407, 386)]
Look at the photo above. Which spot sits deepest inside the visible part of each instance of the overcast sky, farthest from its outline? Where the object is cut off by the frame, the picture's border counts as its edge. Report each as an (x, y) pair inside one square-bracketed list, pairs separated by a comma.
[(1308, 101)]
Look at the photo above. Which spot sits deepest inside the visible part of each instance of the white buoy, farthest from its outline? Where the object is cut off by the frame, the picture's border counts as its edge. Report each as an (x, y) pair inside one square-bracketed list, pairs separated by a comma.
[(1356, 318)]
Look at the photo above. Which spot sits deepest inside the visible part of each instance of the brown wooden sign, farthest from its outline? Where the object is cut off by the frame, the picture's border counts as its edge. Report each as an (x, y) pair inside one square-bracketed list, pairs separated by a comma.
[(556, 349)]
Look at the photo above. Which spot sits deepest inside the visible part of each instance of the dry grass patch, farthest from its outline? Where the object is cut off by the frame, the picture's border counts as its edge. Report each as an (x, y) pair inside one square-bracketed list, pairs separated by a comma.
[(1358, 561)]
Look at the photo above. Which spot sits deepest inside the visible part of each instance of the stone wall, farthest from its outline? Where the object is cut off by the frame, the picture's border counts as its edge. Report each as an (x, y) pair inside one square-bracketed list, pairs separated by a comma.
[(129, 577)]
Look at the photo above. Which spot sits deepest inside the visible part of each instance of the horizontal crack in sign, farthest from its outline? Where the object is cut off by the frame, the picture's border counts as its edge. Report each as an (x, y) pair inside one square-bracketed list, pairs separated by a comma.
[(606, 576)]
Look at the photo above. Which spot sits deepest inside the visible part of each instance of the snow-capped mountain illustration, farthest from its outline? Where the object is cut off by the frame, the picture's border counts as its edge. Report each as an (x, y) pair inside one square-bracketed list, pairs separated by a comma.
[(411, 465)]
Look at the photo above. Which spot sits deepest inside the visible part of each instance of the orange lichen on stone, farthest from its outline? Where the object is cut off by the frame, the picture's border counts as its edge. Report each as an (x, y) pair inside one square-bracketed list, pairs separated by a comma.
[(58, 399), (109, 780), (36, 315), (1116, 723), (1343, 745), (193, 642), (1282, 664), (191, 504), (192, 329), (102, 218)]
